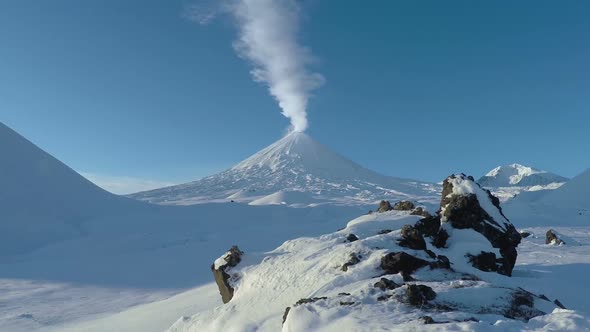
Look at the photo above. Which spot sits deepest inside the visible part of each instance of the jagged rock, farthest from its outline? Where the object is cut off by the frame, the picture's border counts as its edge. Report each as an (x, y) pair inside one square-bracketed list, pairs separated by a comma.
[(464, 211), (394, 263), (485, 261), (411, 238), (384, 206), (309, 300), (525, 234), (440, 239), (420, 211), (419, 295), (442, 262), (428, 226), (353, 260), (427, 320), (559, 304), (522, 306), (351, 238), (385, 284), (231, 258), (346, 303), (343, 294), (286, 313), (552, 238), (384, 231), (404, 206)]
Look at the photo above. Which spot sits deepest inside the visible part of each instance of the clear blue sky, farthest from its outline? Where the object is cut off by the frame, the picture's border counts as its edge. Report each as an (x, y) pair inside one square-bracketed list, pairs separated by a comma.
[(415, 89)]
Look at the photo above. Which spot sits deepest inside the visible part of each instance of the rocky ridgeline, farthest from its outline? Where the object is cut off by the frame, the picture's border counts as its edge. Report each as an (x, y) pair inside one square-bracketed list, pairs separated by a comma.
[(441, 265)]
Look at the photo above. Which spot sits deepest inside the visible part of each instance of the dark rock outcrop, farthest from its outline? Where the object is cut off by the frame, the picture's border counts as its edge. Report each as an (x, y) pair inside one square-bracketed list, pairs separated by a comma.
[(385, 284), (384, 206), (464, 211), (428, 226), (420, 211), (404, 206), (232, 258), (559, 304), (351, 238), (394, 263), (347, 303), (411, 238), (525, 234), (442, 262), (418, 295), (309, 300), (427, 320), (553, 238), (485, 261), (286, 313), (353, 260)]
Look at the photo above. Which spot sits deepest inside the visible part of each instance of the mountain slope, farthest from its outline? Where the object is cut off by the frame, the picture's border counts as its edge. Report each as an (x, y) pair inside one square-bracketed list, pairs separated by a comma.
[(575, 193), (295, 163), (566, 206), (510, 180), (42, 200)]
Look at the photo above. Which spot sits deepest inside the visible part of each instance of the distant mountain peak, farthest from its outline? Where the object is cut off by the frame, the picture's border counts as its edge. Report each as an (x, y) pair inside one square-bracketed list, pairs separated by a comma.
[(510, 180), (513, 172), (294, 163), (297, 151)]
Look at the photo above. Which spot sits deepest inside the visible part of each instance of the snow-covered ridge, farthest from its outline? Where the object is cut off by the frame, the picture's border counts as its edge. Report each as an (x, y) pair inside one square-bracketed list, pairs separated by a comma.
[(508, 181), (519, 175), (297, 168)]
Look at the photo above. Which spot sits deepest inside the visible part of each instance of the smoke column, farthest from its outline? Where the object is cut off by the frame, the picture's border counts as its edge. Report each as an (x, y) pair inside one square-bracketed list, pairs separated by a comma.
[(268, 40)]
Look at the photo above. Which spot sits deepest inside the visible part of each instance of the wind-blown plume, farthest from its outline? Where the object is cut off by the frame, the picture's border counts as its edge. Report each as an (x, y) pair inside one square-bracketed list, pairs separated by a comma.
[(268, 39)]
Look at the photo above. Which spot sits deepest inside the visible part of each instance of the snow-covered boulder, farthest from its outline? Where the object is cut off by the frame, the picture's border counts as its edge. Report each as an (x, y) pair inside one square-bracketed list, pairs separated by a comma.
[(404, 206), (551, 237), (467, 206), (220, 269)]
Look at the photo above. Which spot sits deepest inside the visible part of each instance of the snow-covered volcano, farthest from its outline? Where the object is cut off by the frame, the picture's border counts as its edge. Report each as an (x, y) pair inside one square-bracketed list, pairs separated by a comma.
[(510, 180), (295, 167)]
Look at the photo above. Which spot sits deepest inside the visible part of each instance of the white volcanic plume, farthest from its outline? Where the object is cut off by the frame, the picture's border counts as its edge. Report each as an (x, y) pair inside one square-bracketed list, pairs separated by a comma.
[(268, 40)]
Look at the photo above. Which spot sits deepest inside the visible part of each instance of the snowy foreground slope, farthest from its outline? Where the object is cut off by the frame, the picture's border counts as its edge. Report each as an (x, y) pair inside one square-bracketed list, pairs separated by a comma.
[(335, 282), (508, 181), (298, 171)]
